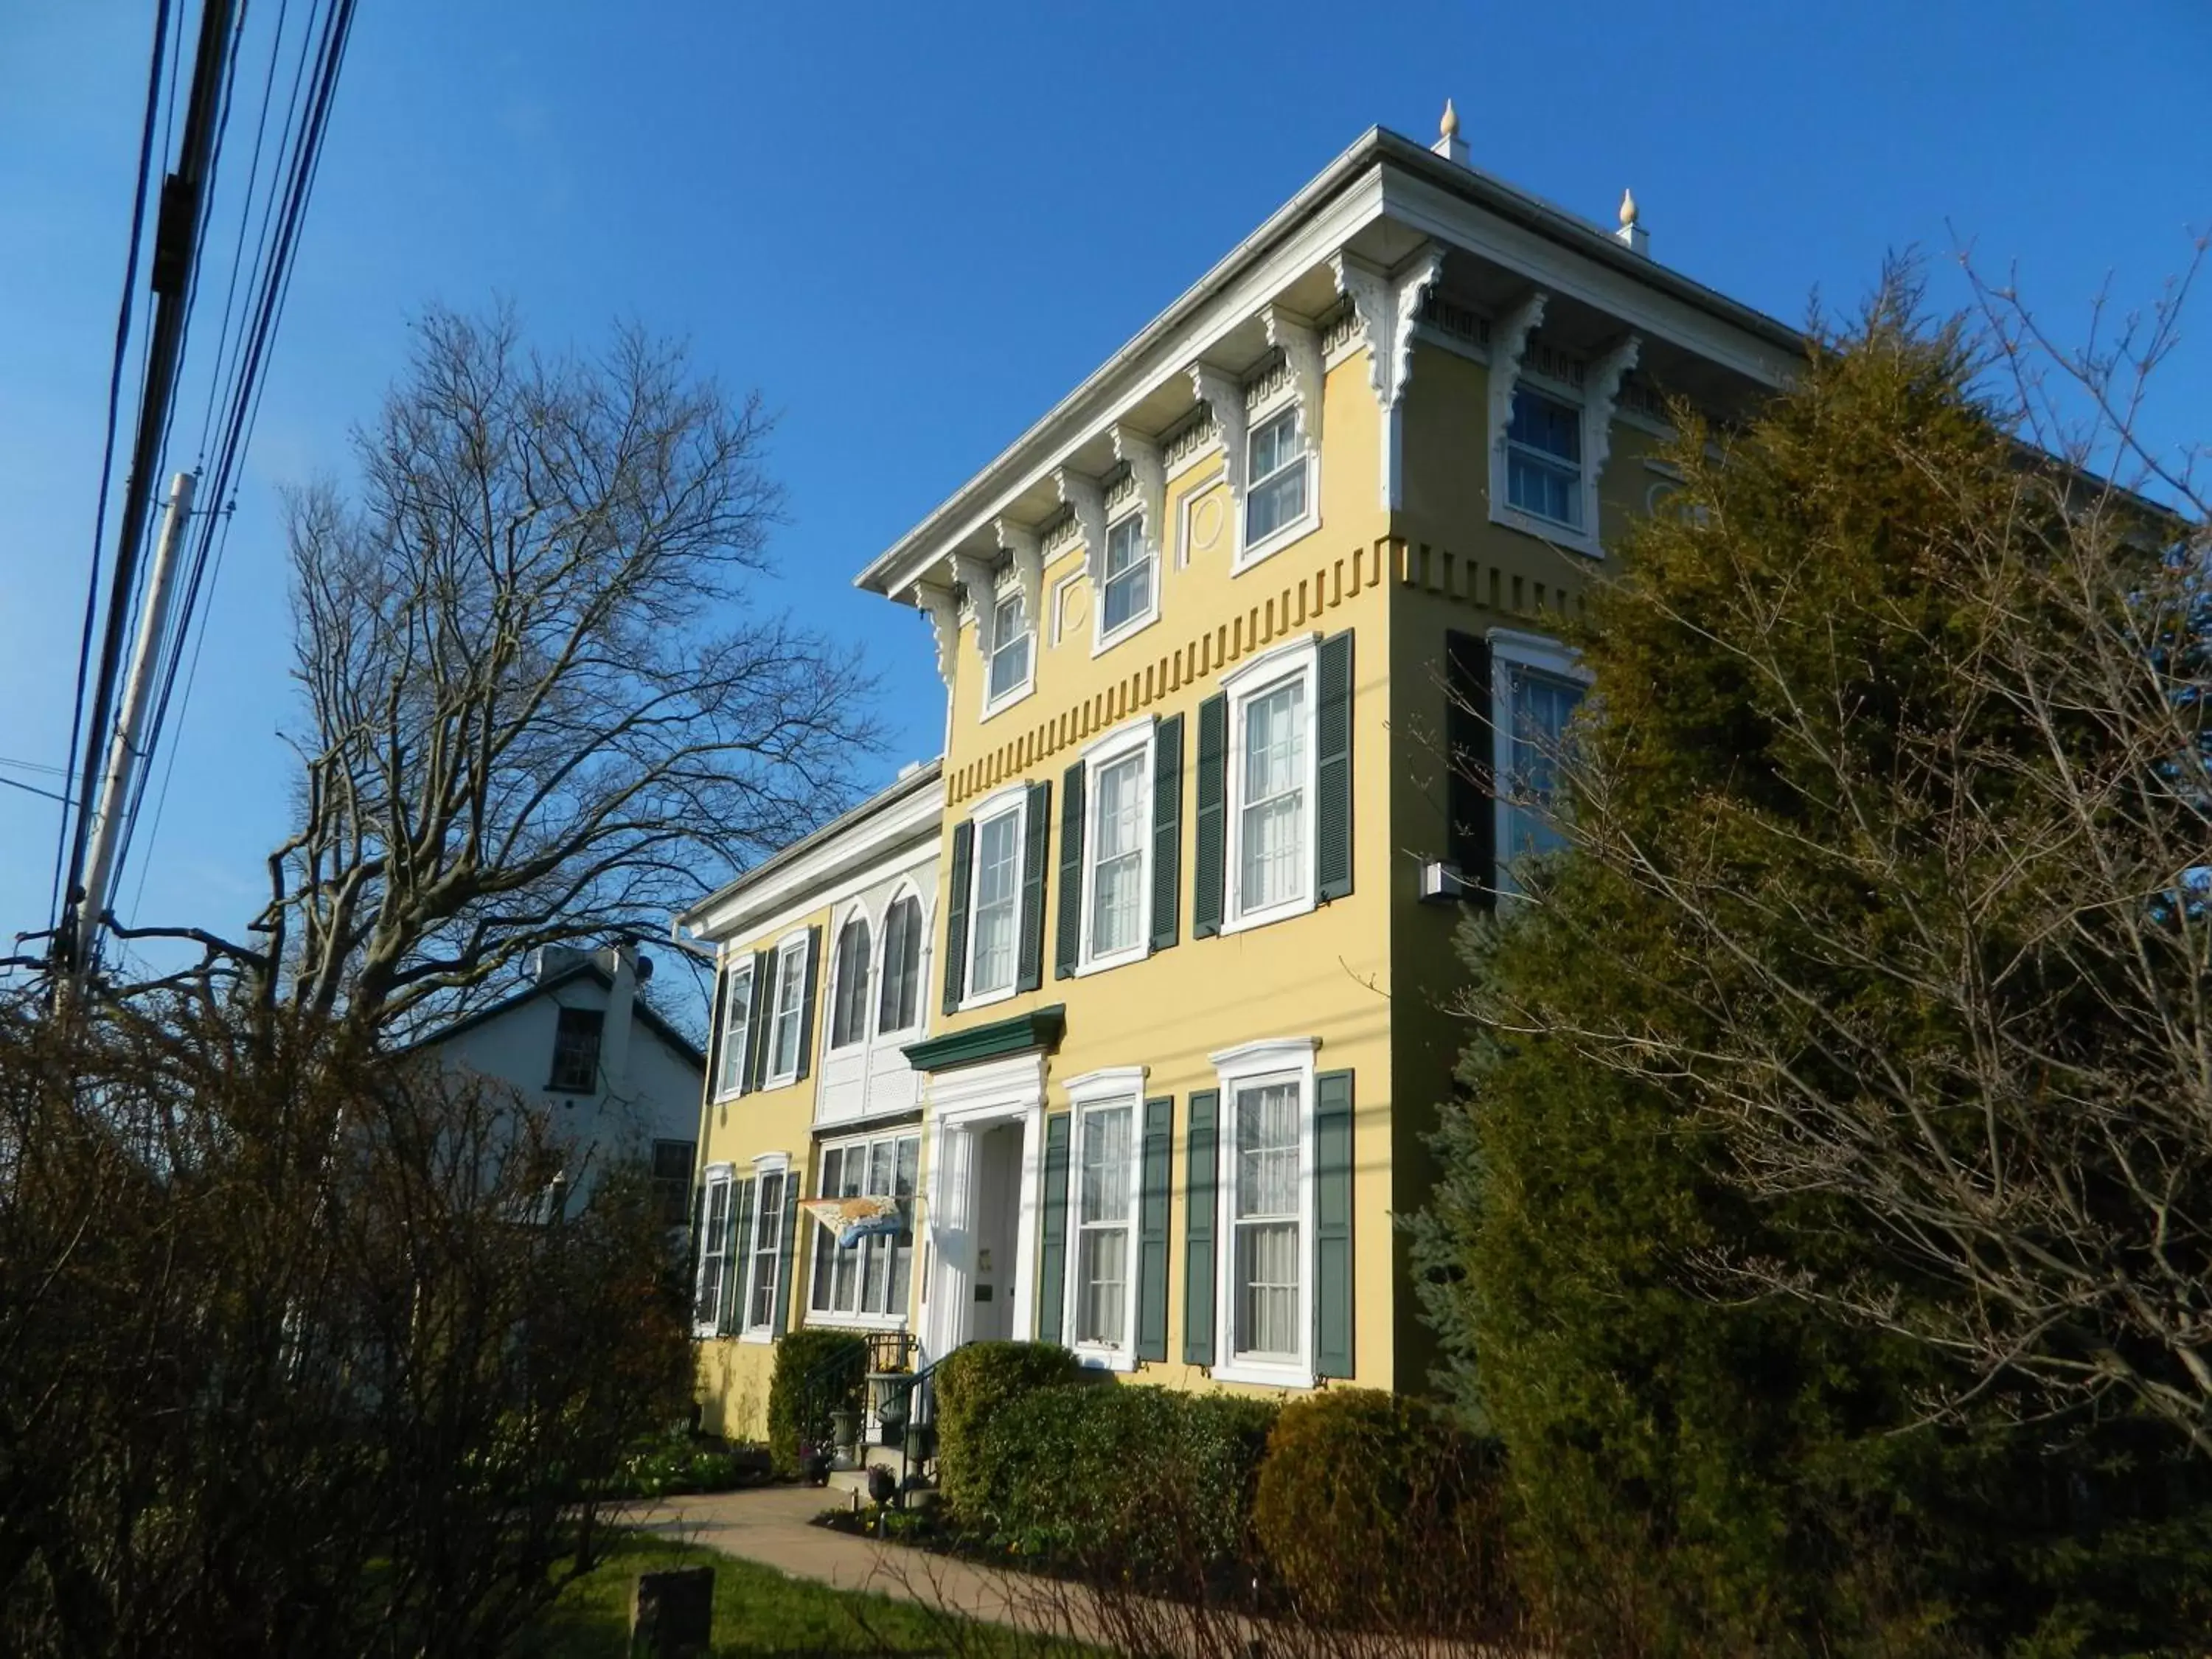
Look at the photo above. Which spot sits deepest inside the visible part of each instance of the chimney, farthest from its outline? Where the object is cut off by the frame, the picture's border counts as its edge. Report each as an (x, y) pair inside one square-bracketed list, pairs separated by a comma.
[(1449, 144), (621, 962), (1632, 235)]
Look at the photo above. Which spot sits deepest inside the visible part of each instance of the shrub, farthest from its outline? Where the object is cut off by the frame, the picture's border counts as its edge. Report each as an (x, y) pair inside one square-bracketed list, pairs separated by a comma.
[(685, 1462), (1147, 1485), (973, 1384), (816, 1373), (1370, 1507)]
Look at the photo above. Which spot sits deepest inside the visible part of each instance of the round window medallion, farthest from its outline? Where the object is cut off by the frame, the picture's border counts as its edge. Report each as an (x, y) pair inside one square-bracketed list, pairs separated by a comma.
[(1205, 523)]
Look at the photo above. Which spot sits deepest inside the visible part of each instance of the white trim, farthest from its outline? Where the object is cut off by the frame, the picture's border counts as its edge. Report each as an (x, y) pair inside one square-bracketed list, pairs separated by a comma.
[(1059, 602), (1248, 554), (857, 1318), (1509, 649), (1187, 503), (723, 1176), (1297, 658), (854, 910), (765, 1163), (775, 1079), (959, 1103), (1120, 1087), (1136, 738), (905, 887), (986, 606), (721, 1038), (1247, 1066), (898, 839), (1014, 799), (1146, 615)]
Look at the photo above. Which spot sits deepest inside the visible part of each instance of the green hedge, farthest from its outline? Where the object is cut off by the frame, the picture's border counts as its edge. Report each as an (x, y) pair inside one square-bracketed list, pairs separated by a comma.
[(1371, 1509), (1144, 1485), (816, 1373), (974, 1383)]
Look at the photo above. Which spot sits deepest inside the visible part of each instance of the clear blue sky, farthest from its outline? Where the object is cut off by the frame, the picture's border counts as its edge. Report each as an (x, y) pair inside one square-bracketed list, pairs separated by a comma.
[(913, 227)]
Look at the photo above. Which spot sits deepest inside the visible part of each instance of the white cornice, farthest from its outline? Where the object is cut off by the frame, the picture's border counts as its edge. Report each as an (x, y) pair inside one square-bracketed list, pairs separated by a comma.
[(1296, 339), (1028, 550), (1223, 393), (875, 847), (935, 600), (1150, 473)]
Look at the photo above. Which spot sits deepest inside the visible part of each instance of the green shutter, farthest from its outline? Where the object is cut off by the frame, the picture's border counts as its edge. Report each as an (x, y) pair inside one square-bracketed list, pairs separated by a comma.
[(813, 969), (1152, 1230), (1202, 1137), (1470, 748), (1167, 832), (698, 1249), (1332, 1263), (956, 916), (731, 1315), (1210, 865), (1052, 1251), (755, 1043), (715, 1032), (787, 1267), (1067, 946), (1333, 768), (1029, 963)]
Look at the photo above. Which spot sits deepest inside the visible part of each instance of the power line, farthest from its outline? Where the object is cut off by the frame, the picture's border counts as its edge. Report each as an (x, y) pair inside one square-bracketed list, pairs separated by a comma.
[(114, 409)]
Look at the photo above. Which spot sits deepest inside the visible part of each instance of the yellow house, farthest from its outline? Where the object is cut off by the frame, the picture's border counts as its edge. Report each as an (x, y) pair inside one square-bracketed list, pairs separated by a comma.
[(1211, 634)]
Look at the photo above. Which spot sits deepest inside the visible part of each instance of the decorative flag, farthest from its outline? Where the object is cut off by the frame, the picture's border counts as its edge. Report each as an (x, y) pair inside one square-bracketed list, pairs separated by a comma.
[(855, 1218)]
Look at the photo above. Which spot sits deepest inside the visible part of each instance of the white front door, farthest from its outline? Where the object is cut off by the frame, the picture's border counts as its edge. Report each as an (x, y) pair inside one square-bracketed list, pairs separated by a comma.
[(985, 1178), (996, 1231)]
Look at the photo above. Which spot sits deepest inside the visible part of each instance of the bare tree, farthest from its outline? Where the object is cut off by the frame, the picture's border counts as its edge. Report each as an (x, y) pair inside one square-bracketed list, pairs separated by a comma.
[(1932, 917), (545, 700)]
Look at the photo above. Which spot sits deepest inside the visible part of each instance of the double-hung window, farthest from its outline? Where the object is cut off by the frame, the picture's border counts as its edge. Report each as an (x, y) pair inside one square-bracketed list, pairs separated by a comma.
[(1537, 686), (848, 1009), (1266, 1216), (713, 1252), (1115, 851), (995, 916), (867, 1279), (737, 1020), (1009, 646), (1272, 783), (1105, 1217), (672, 1181), (900, 1004), (1126, 596), (765, 1249), (1543, 459), (576, 1034), (1275, 481), (785, 1015)]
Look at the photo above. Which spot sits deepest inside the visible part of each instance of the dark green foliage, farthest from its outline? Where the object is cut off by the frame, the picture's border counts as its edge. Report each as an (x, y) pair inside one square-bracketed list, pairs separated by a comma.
[(816, 1372), (685, 1462), (1695, 1467), (1374, 1510), (973, 1384), (1147, 1485)]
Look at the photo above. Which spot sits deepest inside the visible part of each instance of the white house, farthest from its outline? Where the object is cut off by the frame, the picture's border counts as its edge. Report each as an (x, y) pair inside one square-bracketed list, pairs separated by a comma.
[(616, 1079)]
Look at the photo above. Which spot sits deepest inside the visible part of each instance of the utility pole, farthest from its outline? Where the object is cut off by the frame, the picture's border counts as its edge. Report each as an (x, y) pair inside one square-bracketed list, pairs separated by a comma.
[(176, 239), (119, 780)]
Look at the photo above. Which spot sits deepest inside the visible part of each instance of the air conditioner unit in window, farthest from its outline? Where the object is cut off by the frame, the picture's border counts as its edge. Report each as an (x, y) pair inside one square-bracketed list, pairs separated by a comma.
[(1441, 883)]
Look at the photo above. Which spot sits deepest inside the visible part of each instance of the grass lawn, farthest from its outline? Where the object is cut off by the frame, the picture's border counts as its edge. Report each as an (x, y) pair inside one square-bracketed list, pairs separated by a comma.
[(757, 1610)]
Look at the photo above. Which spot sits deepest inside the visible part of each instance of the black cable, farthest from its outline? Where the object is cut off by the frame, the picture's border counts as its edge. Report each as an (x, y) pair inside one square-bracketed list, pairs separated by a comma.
[(114, 409)]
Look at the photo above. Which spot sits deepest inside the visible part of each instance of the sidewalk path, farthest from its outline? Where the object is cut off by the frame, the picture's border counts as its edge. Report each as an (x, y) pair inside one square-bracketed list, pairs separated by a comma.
[(774, 1526)]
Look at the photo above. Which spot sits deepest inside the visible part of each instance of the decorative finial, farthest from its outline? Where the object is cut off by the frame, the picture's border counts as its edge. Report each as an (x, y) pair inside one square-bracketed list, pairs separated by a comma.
[(1449, 144), (1632, 235), (1627, 209)]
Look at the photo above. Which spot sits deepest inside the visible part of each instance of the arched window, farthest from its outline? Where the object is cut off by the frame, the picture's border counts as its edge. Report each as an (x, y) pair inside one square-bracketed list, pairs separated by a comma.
[(902, 999), (848, 1019)]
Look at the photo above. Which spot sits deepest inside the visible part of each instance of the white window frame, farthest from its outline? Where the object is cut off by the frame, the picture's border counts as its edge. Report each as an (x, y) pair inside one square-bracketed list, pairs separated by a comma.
[(833, 982), (1249, 553), (1510, 649), (907, 888), (735, 1004), (1015, 799), (767, 1164), (821, 1240), (1582, 538), (1135, 738), (1298, 657), (1118, 1085), (1147, 613), (723, 1176), (791, 948), (986, 631), (1251, 1066)]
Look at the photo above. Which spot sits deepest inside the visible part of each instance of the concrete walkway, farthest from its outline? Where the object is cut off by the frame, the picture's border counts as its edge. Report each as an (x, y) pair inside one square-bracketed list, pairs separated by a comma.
[(774, 1526)]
